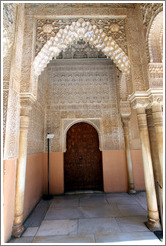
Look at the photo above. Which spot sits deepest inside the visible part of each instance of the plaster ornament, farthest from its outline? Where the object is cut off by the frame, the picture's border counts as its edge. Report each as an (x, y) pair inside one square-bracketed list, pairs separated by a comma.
[(96, 37), (47, 28), (114, 28)]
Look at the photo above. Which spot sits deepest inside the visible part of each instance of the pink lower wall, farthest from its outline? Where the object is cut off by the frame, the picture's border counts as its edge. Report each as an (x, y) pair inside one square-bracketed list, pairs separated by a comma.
[(33, 189), (114, 171), (56, 174), (33, 182), (138, 172), (9, 180)]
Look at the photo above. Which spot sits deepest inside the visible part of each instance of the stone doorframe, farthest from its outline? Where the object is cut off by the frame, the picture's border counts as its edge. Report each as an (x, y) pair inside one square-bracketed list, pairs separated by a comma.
[(67, 123)]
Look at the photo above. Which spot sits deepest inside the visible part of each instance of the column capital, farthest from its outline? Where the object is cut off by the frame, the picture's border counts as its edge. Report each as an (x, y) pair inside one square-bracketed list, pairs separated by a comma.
[(26, 101), (125, 120), (138, 99), (125, 109), (155, 97), (155, 74)]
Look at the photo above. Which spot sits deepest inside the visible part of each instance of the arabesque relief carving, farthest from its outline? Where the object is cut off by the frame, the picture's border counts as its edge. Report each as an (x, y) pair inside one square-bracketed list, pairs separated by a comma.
[(114, 27), (149, 10), (155, 75), (83, 90)]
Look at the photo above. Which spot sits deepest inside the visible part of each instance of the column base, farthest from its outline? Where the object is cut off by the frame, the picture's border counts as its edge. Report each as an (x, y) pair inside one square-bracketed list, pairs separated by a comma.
[(153, 226), (131, 191), (18, 230)]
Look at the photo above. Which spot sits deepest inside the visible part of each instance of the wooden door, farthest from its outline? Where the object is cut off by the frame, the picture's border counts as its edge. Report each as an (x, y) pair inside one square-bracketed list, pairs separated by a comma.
[(83, 159)]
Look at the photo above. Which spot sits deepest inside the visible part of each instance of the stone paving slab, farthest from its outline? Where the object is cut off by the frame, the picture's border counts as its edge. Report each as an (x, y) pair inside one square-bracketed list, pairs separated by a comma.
[(21, 240), (37, 216), (136, 237), (89, 218), (65, 239), (140, 197), (30, 232), (121, 200), (103, 211), (131, 224), (131, 210), (63, 213), (98, 225), (57, 227), (65, 202), (93, 200), (117, 194)]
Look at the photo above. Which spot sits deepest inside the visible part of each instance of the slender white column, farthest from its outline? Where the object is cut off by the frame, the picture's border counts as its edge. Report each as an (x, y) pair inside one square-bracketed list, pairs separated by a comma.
[(153, 144), (155, 159), (153, 214), (158, 122), (125, 122), (20, 178)]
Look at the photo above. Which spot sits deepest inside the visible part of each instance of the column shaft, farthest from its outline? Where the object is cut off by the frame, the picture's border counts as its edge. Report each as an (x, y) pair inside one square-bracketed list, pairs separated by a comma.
[(153, 215), (131, 188), (158, 122), (20, 178), (154, 150)]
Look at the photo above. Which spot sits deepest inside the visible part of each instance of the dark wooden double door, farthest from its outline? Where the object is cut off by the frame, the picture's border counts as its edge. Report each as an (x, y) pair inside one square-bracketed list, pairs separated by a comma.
[(83, 159)]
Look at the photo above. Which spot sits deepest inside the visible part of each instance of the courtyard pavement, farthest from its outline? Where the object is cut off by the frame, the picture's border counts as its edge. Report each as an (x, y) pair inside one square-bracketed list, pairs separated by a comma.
[(112, 218)]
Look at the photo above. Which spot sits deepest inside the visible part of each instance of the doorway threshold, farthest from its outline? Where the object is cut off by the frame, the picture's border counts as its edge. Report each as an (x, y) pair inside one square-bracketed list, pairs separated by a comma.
[(84, 192)]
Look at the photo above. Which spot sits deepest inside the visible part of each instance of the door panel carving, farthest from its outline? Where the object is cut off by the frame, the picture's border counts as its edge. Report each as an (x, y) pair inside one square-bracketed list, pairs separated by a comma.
[(83, 159)]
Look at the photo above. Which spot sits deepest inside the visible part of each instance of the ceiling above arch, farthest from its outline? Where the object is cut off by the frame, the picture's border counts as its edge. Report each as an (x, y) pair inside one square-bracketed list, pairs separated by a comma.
[(91, 34)]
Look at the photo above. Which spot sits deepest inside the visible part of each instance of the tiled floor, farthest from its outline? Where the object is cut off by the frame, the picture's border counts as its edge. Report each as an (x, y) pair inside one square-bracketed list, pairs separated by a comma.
[(89, 218)]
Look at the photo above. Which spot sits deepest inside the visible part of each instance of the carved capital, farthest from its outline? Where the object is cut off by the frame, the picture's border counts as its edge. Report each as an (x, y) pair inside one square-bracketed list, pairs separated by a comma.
[(139, 99), (155, 97), (125, 120), (155, 72), (125, 123), (26, 101), (125, 109)]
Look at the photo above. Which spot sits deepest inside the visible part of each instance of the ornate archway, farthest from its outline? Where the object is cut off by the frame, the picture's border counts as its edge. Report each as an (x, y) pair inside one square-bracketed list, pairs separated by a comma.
[(89, 33), (155, 39)]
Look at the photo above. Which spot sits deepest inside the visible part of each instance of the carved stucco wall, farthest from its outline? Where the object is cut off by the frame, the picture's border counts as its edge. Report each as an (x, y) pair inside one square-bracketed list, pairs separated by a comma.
[(43, 23), (114, 27), (37, 118), (9, 23), (112, 137), (149, 12), (12, 125), (83, 89)]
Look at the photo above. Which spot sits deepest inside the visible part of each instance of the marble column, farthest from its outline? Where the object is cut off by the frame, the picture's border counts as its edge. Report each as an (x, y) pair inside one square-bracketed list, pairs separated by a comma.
[(153, 144), (18, 227), (125, 122), (155, 161), (153, 214), (158, 122)]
